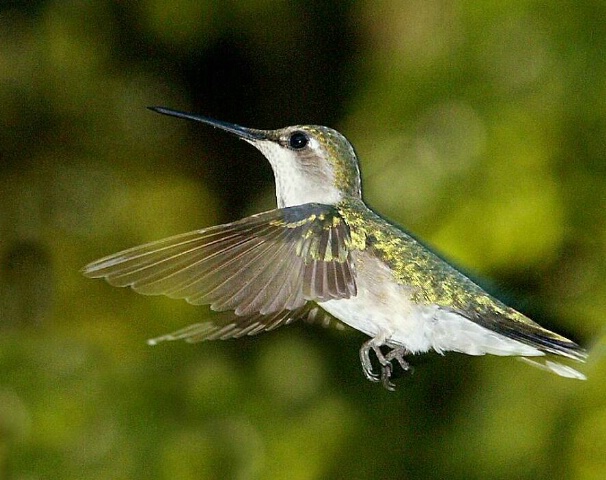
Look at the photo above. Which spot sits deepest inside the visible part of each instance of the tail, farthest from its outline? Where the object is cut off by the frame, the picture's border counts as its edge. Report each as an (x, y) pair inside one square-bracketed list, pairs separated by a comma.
[(516, 326), (554, 367)]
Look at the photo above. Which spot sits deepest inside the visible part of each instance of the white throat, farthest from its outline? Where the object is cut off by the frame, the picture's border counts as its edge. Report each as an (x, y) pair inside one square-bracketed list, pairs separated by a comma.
[(296, 183)]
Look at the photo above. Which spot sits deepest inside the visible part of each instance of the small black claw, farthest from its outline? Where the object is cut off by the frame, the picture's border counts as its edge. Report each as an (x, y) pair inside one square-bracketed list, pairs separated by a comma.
[(386, 372), (370, 375), (398, 354)]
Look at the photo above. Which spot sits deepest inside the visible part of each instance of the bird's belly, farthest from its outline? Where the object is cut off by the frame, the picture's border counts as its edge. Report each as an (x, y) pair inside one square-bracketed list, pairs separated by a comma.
[(384, 309), (390, 326)]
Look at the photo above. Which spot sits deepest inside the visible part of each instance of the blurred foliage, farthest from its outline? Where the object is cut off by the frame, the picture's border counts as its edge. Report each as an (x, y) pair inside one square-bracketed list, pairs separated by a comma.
[(481, 127)]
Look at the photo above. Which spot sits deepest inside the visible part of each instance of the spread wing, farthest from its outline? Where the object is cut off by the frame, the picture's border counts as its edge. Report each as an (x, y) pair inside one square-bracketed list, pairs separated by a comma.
[(263, 264), (225, 325)]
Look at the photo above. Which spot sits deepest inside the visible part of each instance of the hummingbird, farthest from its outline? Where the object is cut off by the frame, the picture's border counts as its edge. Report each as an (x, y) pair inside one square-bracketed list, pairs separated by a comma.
[(324, 256)]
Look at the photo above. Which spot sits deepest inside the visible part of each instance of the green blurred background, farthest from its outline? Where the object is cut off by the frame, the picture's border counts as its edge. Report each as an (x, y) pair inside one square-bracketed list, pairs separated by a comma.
[(481, 126)]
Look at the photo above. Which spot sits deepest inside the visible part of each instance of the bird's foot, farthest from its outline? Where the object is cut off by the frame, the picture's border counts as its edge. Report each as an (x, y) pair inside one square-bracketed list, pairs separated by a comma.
[(385, 360)]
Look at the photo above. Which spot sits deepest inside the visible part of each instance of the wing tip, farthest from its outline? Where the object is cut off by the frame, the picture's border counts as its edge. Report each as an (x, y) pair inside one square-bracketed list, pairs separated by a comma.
[(561, 346), (95, 269), (518, 327), (89, 271)]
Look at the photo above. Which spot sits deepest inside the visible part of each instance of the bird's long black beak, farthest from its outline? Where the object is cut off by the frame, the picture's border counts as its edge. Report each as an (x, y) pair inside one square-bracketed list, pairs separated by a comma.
[(242, 132)]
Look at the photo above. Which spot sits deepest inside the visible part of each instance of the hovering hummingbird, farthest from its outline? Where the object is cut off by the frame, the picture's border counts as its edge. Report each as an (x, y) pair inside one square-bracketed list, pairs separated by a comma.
[(323, 255)]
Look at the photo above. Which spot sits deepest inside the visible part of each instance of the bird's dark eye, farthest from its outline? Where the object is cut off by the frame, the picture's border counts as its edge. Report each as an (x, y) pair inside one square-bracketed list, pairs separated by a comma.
[(298, 140)]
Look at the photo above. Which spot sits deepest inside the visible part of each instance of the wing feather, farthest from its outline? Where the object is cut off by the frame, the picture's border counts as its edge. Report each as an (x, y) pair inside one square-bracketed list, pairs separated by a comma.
[(226, 325), (266, 263)]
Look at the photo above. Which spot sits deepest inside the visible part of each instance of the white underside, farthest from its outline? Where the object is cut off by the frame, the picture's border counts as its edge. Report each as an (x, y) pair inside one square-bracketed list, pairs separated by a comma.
[(383, 310)]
